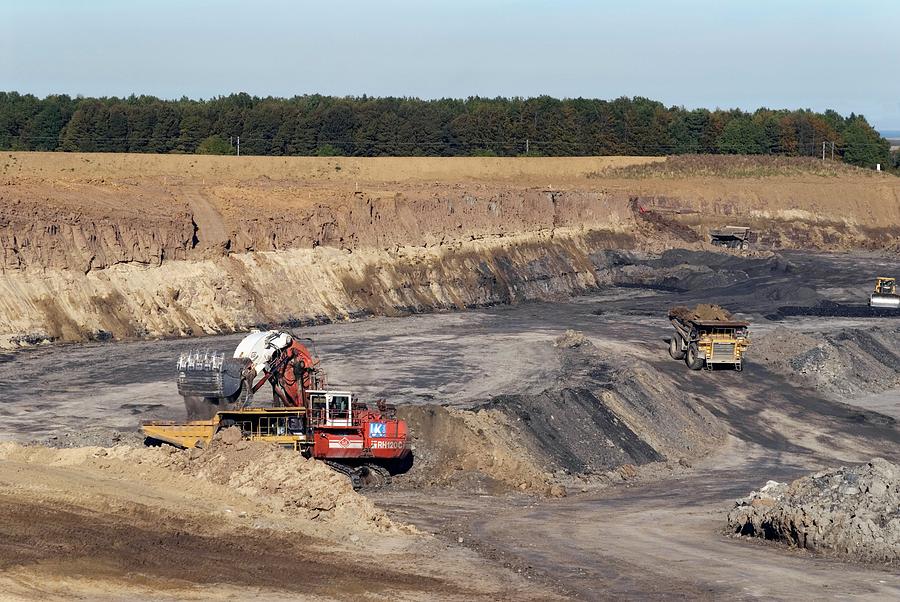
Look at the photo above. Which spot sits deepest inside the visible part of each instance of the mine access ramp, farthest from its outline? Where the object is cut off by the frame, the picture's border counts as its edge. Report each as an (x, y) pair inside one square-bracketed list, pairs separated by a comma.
[(708, 336)]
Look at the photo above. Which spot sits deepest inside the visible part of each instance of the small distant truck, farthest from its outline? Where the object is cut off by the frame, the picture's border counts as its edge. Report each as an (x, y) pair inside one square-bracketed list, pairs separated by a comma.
[(732, 237), (708, 336)]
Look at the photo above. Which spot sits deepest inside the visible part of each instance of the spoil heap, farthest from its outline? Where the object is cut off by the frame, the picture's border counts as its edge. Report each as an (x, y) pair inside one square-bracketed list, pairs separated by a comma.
[(281, 479), (852, 512), (595, 423), (843, 362)]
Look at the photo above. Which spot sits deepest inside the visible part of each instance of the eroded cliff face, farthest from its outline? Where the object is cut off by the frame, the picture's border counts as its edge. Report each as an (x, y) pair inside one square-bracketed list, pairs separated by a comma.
[(243, 290), (98, 246)]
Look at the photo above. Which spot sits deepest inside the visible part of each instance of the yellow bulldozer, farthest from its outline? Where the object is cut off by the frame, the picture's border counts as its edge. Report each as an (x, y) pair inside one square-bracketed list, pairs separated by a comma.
[(885, 294)]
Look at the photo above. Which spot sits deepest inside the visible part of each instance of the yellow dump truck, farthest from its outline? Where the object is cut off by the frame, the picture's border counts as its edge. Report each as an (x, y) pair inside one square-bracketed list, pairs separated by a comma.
[(708, 336)]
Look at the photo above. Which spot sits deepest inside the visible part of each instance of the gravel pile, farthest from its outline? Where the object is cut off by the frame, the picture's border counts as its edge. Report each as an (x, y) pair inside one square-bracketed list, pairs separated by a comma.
[(852, 512), (850, 361)]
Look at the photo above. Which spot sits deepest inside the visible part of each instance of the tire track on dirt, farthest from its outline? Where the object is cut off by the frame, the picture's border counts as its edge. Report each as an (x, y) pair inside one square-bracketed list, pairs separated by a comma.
[(210, 231)]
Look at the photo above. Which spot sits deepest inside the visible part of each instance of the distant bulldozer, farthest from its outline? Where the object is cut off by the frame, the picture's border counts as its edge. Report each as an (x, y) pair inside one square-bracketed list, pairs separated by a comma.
[(885, 294), (708, 335)]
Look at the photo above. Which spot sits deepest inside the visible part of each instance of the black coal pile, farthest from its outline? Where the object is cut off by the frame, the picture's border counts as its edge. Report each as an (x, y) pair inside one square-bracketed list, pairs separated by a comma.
[(853, 512), (600, 415), (827, 308)]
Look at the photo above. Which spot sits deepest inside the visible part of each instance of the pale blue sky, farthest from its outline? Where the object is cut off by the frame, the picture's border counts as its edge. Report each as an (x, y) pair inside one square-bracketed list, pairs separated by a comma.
[(781, 54)]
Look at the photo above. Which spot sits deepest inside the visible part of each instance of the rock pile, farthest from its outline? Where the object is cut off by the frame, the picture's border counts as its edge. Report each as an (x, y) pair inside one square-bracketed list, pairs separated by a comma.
[(849, 361), (852, 512)]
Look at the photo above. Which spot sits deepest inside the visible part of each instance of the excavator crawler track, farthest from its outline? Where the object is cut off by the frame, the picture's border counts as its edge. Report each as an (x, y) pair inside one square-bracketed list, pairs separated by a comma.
[(349, 471), (366, 476), (378, 476)]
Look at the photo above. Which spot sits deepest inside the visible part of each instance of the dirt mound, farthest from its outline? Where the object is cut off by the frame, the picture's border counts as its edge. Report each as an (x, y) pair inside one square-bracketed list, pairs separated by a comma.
[(704, 312), (852, 511), (469, 448), (272, 478), (279, 478), (849, 361), (597, 422), (156, 523), (571, 339)]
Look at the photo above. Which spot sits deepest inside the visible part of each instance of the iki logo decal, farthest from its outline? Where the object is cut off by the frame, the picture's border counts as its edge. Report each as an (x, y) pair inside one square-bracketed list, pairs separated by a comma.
[(377, 430)]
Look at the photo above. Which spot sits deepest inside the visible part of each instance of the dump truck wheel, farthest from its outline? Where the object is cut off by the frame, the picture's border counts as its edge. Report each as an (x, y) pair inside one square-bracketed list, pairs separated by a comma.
[(692, 357), (675, 347)]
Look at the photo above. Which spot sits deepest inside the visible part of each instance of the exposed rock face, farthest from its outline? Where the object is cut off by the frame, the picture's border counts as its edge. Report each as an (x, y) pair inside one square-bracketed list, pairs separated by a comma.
[(852, 511), (97, 246)]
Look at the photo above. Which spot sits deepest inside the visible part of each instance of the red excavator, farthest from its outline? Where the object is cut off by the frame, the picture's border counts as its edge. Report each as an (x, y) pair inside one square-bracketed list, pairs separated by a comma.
[(363, 442)]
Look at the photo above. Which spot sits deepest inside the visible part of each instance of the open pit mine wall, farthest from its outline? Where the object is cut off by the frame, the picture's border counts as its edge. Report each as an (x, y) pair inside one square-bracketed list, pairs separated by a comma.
[(74, 279), (205, 267)]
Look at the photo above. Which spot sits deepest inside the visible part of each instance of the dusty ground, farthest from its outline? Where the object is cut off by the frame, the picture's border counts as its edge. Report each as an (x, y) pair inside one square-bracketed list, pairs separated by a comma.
[(655, 533), (109, 524)]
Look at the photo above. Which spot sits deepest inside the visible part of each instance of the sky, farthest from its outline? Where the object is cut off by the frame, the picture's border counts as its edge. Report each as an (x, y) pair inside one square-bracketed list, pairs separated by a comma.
[(815, 54)]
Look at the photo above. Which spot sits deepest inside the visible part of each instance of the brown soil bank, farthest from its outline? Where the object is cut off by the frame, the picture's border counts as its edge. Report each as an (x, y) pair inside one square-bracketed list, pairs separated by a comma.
[(97, 246), (233, 523)]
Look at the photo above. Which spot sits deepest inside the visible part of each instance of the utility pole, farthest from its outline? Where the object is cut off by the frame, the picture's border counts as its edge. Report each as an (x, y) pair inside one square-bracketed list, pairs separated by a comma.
[(832, 150), (526, 145), (238, 146), (823, 150)]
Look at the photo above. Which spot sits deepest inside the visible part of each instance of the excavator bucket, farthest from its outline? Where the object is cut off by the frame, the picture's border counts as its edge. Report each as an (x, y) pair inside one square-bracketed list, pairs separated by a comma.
[(210, 382)]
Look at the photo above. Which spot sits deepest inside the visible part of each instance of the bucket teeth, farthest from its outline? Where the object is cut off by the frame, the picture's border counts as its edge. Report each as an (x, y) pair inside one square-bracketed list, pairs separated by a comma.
[(209, 374), (200, 360)]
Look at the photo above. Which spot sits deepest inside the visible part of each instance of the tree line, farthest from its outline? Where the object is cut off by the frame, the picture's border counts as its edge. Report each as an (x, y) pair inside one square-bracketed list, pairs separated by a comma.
[(368, 126)]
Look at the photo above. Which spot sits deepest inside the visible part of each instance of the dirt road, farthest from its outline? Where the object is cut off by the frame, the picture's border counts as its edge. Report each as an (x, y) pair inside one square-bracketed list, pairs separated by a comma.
[(653, 541)]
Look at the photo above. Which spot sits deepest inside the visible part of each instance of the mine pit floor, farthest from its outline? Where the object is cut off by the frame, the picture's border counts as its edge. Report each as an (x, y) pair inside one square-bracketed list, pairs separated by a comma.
[(656, 535)]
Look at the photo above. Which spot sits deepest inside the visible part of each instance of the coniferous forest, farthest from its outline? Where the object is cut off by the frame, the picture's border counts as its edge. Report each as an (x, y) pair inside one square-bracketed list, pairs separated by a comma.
[(367, 126)]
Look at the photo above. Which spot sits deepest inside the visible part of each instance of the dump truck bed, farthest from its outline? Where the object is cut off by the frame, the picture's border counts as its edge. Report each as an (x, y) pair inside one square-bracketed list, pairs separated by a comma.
[(716, 323), (706, 316)]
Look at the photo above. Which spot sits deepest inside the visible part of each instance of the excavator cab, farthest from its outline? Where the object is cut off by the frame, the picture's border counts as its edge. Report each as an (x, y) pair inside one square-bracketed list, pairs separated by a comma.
[(332, 408)]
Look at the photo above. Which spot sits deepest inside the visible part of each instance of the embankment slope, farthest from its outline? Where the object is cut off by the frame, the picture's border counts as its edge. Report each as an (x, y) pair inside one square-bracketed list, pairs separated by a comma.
[(104, 245)]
